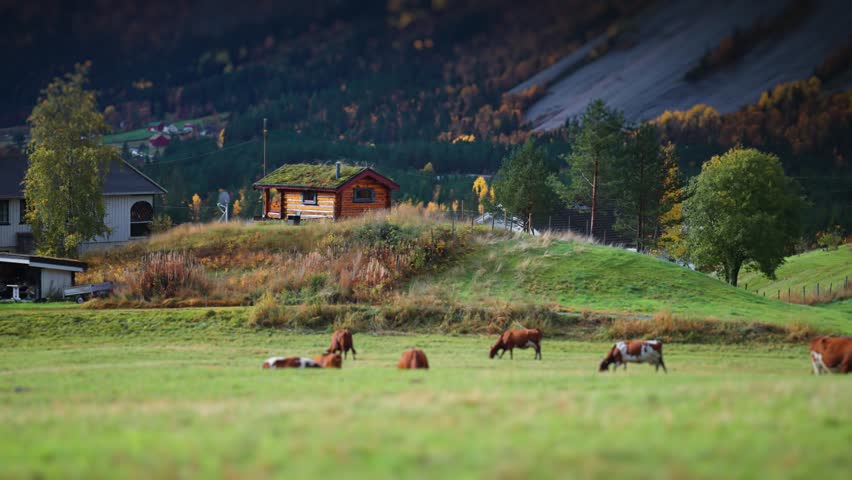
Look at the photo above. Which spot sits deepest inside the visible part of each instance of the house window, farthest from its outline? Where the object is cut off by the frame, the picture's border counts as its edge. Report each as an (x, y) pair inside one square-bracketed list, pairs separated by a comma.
[(22, 213), (4, 212), (309, 198), (364, 195), (141, 215)]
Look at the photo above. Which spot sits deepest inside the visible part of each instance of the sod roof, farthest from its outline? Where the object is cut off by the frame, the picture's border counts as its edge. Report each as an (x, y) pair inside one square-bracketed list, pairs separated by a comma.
[(314, 176)]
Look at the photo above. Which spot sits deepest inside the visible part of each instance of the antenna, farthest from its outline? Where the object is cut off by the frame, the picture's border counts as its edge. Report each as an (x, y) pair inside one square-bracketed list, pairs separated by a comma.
[(265, 134)]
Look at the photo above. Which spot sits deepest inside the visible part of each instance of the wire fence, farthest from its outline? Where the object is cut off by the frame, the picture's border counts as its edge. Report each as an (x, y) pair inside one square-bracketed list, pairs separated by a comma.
[(808, 294)]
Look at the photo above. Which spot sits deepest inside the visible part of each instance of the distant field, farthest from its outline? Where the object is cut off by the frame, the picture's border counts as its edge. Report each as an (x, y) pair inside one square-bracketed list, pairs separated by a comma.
[(808, 269), (583, 277), (143, 133), (193, 402)]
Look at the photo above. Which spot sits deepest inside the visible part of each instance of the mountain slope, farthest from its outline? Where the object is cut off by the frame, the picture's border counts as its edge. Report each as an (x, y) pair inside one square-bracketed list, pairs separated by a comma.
[(646, 76)]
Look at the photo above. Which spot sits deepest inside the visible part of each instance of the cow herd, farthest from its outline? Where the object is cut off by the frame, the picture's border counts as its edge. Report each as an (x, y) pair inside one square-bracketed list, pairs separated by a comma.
[(828, 354)]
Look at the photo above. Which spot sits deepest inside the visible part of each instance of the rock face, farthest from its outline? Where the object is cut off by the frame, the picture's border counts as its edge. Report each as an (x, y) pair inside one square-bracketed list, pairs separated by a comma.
[(648, 77)]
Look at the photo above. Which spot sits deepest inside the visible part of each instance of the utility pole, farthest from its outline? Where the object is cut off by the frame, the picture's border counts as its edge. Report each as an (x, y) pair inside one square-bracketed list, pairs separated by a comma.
[(265, 134)]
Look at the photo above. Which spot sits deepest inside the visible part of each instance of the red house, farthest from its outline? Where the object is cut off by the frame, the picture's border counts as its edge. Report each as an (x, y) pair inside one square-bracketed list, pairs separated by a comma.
[(159, 141)]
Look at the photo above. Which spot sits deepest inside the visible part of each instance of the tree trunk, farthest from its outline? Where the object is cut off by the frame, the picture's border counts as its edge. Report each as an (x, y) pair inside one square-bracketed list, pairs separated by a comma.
[(594, 199), (734, 271)]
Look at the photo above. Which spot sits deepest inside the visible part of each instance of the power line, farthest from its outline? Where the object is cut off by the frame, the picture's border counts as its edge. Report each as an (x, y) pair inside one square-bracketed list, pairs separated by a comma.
[(193, 157)]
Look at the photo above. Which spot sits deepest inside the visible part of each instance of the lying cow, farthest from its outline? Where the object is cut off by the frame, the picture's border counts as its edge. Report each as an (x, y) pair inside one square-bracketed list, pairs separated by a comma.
[(329, 360), (636, 351), (512, 339), (341, 342), (290, 362), (831, 355), (414, 358)]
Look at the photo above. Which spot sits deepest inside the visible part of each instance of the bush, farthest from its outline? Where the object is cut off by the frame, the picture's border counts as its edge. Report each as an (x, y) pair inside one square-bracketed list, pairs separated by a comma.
[(831, 238), (167, 275), (161, 223)]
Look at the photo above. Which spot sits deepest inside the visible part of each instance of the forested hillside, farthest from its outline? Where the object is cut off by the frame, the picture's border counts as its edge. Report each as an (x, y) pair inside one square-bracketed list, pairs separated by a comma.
[(428, 91)]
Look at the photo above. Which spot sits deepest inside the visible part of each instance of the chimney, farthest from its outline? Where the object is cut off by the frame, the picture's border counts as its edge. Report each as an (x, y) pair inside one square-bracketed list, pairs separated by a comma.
[(338, 170)]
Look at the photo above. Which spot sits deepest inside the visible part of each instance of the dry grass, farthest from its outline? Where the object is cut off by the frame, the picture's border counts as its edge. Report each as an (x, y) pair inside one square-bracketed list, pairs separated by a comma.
[(356, 260)]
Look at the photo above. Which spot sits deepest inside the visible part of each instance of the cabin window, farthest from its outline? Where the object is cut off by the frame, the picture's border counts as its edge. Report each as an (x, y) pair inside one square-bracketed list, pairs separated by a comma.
[(4, 212), (22, 213), (141, 215), (309, 198), (364, 195)]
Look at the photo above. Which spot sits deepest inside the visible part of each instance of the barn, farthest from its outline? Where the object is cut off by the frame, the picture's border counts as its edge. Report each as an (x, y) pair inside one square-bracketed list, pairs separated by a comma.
[(323, 191)]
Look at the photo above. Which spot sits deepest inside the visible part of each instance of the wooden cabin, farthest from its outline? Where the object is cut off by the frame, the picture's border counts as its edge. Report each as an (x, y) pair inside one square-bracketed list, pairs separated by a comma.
[(323, 191)]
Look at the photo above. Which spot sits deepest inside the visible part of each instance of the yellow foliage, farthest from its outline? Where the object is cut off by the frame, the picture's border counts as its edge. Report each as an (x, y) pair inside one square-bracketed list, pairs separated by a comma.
[(195, 208), (221, 139)]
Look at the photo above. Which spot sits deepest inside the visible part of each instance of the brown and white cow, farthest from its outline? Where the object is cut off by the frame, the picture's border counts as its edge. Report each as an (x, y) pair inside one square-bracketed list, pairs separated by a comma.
[(341, 342), (522, 338), (831, 355), (329, 360), (413, 358), (290, 362), (635, 351)]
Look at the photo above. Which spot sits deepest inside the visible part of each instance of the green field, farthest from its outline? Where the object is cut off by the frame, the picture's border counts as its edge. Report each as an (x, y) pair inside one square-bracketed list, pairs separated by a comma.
[(172, 400), (143, 133), (578, 276), (808, 269)]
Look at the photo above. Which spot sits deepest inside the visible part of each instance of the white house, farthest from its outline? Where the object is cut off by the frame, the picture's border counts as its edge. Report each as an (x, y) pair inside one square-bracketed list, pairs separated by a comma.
[(129, 196)]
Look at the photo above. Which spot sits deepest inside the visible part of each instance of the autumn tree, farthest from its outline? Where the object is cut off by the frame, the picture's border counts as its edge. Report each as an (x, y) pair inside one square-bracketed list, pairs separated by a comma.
[(521, 187), (638, 185), (195, 208), (670, 223), (597, 150), (480, 189), (742, 209), (68, 162)]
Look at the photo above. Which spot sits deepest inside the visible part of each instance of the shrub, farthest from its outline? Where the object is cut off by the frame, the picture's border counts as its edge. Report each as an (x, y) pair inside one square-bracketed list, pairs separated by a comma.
[(161, 223), (166, 275), (831, 238)]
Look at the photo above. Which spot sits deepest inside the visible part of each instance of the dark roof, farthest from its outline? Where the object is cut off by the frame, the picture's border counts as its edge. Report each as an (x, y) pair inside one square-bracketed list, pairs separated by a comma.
[(122, 179), (319, 176), (39, 261)]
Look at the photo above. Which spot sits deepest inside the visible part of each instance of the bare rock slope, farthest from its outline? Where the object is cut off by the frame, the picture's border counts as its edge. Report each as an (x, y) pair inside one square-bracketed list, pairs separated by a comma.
[(648, 78)]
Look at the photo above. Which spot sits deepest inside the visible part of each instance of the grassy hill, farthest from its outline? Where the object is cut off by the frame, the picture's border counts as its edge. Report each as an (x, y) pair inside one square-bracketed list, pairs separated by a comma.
[(575, 276), (418, 267), (807, 269)]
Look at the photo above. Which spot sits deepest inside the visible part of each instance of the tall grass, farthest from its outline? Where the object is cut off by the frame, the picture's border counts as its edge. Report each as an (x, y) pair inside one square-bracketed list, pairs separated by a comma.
[(166, 275)]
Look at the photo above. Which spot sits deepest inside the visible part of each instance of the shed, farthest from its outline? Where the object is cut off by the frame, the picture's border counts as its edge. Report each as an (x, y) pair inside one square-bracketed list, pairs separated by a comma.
[(324, 191), (35, 276)]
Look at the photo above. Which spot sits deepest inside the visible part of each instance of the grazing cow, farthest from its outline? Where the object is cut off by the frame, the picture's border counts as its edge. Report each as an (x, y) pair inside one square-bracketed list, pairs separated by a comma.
[(414, 358), (341, 342), (831, 355), (512, 339), (290, 362), (329, 360), (635, 351)]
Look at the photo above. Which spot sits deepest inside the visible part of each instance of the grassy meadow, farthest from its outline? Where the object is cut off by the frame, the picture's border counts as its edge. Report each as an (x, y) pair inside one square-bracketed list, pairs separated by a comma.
[(826, 267), (160, 399)]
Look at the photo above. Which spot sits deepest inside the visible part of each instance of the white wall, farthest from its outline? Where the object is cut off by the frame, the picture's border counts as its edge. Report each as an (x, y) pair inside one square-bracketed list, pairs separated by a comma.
[(117, 218), (53, 281), (8, 233)]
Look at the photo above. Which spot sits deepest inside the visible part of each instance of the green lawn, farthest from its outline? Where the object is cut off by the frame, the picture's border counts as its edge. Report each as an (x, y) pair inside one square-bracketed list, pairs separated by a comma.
[(577, 276), (825, 267), (189, 400), (143, 133)]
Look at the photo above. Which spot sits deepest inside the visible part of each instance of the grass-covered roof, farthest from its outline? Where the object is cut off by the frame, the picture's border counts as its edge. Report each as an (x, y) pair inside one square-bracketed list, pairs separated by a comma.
[(306, 175)]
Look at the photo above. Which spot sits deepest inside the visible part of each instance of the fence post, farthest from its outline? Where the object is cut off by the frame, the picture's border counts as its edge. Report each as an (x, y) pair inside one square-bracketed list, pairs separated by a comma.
[(505, 219), (829, 288), (569, 222), (587, 229), (453, 223), (472, 218), (746, 287), (764, 294), (549, 222), (788, 294), (779, 294), (529, 223), (462, 211), (846, 282), (817, 290), (492, 222), (803, 293)]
